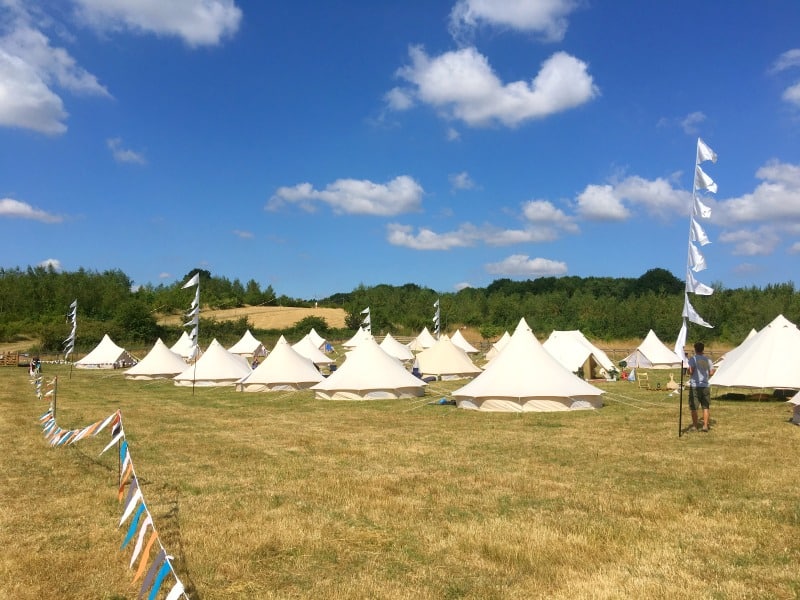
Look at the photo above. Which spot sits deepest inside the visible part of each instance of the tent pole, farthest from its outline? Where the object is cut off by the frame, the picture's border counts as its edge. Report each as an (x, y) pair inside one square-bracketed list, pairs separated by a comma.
[(680, 404)]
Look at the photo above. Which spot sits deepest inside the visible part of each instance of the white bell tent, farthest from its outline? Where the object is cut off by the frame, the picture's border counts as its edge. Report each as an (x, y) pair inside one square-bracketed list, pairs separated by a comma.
[(159, 363), (524, 377), (769, 359), (446, 361), (573, 350), (248, 346), (394, 348), (369, 373), (652, 354), (216, 367), (106, 355), (282, 370)]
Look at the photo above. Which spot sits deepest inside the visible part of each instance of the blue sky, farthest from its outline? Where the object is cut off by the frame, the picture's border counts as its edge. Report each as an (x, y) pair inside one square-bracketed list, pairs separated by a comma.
[(316, 146)]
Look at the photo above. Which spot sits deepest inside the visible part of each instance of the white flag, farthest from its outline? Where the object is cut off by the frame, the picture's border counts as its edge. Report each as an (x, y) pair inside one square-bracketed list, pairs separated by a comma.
[(195, 280), (436, 304), (696, 234), (695, 287), (705, 153), (703, 181), (696, 260), (365, 311), (680, 343), (690, 313), (700, 209)]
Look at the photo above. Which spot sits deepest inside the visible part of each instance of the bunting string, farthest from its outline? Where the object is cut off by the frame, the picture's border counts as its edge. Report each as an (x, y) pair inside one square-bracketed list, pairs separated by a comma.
[(134, 506)]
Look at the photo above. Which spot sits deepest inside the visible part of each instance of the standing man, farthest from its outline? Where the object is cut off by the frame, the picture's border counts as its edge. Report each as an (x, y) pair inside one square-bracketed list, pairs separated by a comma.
[(700, 369)]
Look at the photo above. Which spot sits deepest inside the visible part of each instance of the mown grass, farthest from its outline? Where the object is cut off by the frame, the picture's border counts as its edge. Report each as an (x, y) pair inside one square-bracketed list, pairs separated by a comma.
[(284, 496)]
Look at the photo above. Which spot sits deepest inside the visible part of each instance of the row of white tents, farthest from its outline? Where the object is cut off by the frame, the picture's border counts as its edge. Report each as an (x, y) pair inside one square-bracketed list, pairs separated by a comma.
[(521, 374)]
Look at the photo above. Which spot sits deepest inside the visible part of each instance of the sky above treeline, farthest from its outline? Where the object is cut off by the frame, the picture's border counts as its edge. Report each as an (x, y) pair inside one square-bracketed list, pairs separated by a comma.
[(317, 146)]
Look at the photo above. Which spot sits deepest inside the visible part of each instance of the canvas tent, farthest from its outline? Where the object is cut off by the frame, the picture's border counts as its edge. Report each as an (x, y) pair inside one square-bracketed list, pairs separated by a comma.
[(106, 355), (184, 346), (445, 360), (316, 339), (498, 346), (462, 343), (358, 337), (369, 373), (525, 377), (578, 354), (305, 347), (422, 341), (283, 370), (733, 352), (217, 367), (769, 359), (394, 348), (653, 354), (159, 363), (248, 345)]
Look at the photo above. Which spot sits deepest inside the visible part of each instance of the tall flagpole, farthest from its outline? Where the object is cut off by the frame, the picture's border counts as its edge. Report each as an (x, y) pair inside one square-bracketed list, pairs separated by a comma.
[(69, 343), (194, 321), (695, 261)]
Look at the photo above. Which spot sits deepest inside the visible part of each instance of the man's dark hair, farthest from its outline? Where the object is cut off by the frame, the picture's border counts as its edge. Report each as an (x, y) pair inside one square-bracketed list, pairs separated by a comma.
[(699, 347)]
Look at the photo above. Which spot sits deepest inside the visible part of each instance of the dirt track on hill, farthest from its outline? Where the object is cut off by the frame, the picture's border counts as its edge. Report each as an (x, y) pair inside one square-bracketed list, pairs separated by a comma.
[(269, 317)]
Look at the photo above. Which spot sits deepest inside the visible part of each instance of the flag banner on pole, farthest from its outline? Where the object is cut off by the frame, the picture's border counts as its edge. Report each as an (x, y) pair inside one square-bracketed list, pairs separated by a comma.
[(696, 260), (365, 311), (703, 181), (690, 313), (695, 287), (680, 343), (194, 280), (700, 210), (705, 153), (697, 234)]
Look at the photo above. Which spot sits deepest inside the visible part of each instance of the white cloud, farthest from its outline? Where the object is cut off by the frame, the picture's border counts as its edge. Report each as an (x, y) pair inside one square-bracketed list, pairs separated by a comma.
[(543, 212), (245, 235), (689, 122), (51, 262), (22, 210), (657, 196), (399, 99), (601, 203), (353, 196), (612, 202), (462, 85), (759, 242), (545, 17), (792, 94), (426, 239), (794, 248), (523, 265), (164, 275), (452, 134), (776, 199), (466, 235), (196, 22), (29, 68), (462, 286), (461, 181), (124, 155), (787, 60)]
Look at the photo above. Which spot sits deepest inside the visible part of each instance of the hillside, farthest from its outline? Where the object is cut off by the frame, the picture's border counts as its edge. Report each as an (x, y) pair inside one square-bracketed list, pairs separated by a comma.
[(269, 317)]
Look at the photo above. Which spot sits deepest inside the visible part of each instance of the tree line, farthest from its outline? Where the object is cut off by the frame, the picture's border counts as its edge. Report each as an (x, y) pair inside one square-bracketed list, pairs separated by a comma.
[(34, 301)]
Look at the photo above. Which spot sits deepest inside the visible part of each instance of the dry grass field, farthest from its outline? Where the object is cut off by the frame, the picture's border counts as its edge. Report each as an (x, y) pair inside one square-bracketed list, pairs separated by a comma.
[(283, 496), (270, 317)]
